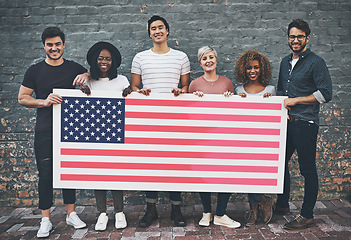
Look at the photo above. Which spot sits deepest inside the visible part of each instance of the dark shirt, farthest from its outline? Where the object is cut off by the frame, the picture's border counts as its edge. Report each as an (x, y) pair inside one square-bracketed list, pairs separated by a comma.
[(309, 76), (43, 78)]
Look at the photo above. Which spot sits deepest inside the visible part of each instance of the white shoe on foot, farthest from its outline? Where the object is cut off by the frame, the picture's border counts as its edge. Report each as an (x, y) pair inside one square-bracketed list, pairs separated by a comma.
[(74, 220), (45, 228), (101, 223), (121, 221), (206, 219), (226, 221)]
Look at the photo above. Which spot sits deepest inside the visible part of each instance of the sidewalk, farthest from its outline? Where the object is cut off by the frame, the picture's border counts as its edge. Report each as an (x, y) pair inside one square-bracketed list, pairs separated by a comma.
[(332, 221)]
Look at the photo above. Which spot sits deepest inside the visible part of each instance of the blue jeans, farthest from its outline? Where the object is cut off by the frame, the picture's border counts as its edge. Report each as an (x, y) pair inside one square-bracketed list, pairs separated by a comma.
[(302, 137), (222, 202)]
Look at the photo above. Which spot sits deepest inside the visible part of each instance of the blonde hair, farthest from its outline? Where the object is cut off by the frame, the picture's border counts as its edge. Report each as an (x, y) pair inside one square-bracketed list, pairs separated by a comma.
[(203, 50)]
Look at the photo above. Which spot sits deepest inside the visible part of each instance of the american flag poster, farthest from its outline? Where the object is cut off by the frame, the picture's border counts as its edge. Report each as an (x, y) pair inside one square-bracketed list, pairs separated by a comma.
[(166, 143)]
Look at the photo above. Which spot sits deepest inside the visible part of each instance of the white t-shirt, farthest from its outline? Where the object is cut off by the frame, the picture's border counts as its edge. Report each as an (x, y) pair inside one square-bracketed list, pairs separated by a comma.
[(268, 89), (160, 72), (117, 84)]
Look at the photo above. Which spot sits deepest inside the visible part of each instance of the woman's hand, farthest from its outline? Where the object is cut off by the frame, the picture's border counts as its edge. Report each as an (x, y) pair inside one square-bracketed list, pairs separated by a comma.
[(85, 89), (144, 91), (198, 93), (126, 91), (266, 95), (228, 94), (243, 95), (177, 91)]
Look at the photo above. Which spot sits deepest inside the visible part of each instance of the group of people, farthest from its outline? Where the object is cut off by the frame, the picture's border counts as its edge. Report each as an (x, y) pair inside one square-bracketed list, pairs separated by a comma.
[(303, 77)]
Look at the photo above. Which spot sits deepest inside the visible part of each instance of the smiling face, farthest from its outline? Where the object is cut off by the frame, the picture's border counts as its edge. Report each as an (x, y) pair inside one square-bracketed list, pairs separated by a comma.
[(54, 48), (104, 62), (253, 71), (297, 40), (158, 32), (208, 61)]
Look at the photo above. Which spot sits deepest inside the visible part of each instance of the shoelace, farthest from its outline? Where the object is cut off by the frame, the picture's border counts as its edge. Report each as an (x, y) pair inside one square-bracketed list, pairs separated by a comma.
[(299, 218), (249, 214)]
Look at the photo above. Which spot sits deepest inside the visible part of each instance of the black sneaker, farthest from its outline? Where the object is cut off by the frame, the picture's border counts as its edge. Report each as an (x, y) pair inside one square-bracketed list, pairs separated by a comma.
[(298, 223), (150, 215), (177, 216)]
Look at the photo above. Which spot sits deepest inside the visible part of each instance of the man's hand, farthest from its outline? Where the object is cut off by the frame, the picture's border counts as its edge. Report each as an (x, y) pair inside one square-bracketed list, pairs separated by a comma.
[(81, 79), (144, 91), (177, 91), (126, 91), (85, 89), (52, 99), (290, 102)]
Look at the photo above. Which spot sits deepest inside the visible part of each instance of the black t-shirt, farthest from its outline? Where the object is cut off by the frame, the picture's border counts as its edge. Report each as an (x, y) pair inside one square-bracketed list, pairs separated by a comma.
[(43, 78)]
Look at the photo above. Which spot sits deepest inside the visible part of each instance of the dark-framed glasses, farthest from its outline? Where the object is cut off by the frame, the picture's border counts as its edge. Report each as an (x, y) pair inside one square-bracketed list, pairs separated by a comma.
[(299, 37)]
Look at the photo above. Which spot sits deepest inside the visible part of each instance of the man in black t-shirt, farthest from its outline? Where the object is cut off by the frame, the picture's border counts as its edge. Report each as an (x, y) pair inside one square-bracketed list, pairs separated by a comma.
[(41, 78)]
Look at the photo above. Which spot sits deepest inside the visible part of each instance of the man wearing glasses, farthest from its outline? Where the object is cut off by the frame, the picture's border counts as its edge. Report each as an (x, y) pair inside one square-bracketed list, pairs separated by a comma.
[(305, 79)]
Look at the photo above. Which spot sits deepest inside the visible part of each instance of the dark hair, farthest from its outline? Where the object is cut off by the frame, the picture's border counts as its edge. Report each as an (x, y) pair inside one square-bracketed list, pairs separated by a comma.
[(243, 62), (155, 18), (300, 24), (51, 32), (95, 71)]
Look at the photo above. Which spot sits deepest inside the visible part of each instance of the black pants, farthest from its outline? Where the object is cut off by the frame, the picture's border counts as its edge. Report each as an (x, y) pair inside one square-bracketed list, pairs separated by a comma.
[(44, 159), (175, 197), (302, 137)]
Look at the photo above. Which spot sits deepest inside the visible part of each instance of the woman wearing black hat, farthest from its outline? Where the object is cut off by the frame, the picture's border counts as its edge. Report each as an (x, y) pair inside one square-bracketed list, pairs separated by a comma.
[(104, 59)]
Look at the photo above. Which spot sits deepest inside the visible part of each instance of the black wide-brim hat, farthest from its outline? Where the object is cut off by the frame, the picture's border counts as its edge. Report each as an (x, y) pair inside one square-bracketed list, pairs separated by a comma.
[(99, 46)]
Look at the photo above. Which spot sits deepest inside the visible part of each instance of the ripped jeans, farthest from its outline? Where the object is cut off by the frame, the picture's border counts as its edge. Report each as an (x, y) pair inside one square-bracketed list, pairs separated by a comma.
[(44, 159)]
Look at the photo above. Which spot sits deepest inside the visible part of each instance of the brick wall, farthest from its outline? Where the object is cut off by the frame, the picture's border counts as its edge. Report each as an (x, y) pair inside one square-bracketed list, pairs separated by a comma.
[(230, 26)]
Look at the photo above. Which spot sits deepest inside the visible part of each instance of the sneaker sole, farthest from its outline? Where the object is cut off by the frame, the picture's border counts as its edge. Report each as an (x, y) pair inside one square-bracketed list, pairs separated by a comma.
[(76, 227), (219, 224), (44, 235)]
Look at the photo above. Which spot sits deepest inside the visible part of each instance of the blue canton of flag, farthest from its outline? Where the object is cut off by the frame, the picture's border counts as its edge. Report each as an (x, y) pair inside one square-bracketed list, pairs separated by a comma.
[(96, 120)]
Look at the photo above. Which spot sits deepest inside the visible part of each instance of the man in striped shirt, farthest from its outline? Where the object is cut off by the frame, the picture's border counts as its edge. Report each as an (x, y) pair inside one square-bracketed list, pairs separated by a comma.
[(160, 69)]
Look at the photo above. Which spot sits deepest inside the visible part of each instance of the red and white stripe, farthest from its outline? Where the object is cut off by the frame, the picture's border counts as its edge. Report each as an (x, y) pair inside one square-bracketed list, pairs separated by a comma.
[(183, 144)]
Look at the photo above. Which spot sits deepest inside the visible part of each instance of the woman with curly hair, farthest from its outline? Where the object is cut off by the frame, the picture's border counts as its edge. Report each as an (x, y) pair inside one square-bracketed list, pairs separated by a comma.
[(253, 70)]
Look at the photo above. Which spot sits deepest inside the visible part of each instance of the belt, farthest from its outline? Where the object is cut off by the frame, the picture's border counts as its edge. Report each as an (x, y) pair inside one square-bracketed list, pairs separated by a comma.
[(293, 119)]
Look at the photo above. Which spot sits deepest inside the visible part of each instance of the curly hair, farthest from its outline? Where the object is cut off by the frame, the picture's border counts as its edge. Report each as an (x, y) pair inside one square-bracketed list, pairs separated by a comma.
[(243, 62)]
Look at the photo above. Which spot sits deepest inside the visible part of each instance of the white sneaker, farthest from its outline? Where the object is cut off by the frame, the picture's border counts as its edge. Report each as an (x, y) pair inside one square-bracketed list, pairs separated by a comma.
[(74, 220), (45, 228), (206, 219), (226, 221), (121, 221), (101, 223)]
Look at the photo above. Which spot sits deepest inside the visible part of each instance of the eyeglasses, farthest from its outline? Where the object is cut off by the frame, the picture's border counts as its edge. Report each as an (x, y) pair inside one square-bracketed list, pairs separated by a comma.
[(299, 37), (100, 59)]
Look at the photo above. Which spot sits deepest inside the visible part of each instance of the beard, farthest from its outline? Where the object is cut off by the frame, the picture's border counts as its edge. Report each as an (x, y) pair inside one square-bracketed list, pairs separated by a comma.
[(55, 58), (301, 49)]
